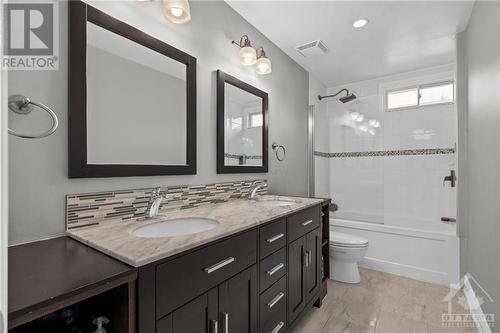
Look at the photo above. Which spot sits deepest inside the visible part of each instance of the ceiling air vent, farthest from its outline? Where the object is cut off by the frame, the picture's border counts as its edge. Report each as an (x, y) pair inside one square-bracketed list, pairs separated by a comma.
[(314, 48)]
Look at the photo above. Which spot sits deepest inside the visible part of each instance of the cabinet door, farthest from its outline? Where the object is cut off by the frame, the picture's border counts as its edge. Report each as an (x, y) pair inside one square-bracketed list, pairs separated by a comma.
[(238, 303), (197, 316), (296, 271), (312, 271)]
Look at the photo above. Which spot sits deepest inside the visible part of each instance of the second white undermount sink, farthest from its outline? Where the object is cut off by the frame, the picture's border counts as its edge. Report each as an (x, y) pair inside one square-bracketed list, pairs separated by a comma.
[(274, 202), (176, 227)]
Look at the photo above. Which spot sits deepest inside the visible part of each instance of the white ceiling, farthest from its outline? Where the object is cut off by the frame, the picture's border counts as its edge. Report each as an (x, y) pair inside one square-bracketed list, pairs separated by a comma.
[(400, 36)]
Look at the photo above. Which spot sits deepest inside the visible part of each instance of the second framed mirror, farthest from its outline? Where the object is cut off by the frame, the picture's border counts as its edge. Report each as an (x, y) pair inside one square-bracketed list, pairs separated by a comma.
[(242, 123)]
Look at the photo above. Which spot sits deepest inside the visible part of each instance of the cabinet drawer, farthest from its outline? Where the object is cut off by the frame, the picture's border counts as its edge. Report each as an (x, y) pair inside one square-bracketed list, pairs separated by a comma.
[(272, 269), (272, 237), (301, 223), (273, 306), (182, 279)]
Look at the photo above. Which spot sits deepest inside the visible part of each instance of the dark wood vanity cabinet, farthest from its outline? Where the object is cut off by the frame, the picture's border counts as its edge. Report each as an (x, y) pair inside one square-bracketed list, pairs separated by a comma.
[(259, 280)]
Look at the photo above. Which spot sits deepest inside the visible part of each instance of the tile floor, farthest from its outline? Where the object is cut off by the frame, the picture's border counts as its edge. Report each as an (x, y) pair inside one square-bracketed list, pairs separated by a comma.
[(382, 303)]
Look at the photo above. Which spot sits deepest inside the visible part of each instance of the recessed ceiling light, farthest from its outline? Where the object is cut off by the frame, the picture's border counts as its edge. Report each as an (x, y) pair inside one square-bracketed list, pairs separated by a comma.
[(360, 23)]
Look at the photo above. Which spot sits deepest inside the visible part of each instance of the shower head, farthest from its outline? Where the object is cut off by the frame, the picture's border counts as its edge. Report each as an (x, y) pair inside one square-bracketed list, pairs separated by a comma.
[(347, 98)]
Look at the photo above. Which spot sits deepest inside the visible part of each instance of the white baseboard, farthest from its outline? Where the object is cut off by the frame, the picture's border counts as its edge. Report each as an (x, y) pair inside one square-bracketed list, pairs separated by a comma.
[(481, 325), (413, 272)]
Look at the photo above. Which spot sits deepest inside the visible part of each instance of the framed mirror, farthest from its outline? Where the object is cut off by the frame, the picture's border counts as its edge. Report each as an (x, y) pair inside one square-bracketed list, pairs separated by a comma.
[(242, 121), (132, 100)]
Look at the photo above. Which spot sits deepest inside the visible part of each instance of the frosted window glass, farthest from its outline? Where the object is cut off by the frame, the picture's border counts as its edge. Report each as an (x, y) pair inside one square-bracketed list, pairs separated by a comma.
[(436, 94), (402, 98)]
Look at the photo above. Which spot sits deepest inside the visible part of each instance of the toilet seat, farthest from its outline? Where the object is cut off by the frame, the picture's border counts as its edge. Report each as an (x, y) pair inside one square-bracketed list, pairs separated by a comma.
[(340, 239)]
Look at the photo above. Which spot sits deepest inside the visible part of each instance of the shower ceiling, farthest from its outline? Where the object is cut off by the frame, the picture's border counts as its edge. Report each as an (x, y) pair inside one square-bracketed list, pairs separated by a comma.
[(401, 35)]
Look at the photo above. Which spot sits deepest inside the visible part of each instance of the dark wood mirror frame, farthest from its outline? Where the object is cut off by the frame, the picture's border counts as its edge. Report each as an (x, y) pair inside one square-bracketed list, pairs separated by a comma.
[(79, 14), (223, 78)]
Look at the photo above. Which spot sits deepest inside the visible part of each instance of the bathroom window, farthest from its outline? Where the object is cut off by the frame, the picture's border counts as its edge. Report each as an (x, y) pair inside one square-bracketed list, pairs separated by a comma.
[(255, 120), (423, 95)]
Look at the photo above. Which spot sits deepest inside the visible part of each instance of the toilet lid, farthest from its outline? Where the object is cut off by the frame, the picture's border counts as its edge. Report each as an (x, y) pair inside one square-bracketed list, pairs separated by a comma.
[(341, 238)]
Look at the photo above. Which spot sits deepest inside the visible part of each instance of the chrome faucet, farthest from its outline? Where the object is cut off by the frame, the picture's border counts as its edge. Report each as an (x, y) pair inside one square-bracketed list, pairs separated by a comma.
[(252, 191), (154, 202)]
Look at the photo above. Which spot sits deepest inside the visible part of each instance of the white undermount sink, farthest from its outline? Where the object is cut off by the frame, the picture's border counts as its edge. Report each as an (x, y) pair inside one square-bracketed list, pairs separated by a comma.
[(176, 227), (274, 202)]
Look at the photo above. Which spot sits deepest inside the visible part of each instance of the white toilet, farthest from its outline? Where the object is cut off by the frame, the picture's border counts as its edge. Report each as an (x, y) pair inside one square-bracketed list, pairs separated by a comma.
[(345, 252)]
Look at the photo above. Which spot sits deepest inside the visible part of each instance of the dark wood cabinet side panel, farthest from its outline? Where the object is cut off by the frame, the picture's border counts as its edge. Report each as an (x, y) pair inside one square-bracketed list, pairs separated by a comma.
[(146, 294)]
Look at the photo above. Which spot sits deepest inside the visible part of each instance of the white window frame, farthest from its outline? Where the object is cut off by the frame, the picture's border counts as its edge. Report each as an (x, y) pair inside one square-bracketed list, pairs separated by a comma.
[(249, 119), (418, 87)]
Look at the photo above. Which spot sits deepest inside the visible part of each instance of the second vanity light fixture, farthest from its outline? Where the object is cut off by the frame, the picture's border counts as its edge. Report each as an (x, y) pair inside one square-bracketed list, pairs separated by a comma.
[(250, 56)]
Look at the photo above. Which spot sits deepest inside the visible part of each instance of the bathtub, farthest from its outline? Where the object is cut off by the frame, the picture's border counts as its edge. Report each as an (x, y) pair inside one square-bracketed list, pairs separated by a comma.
[(429, 253)]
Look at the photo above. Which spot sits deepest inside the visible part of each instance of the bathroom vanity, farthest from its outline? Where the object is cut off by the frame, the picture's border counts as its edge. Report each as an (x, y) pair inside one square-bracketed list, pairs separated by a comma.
[(258, 270)]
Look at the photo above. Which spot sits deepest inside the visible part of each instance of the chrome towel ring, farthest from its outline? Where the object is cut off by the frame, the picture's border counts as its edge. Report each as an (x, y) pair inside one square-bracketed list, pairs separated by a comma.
[(276, 147), (23, 105)]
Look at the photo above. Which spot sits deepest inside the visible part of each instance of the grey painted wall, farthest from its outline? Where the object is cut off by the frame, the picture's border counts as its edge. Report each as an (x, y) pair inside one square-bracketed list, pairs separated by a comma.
[(38, 169), (479, 57)]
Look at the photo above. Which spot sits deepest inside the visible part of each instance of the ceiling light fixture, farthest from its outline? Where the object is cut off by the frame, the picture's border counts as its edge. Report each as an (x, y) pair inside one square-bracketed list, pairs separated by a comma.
[(177, 11), (263, 65), (374, 123), (247, 54), (360, 23), (354, 115)]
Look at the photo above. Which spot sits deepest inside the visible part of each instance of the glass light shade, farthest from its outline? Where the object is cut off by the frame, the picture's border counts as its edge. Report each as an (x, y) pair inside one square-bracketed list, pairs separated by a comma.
[(360, 118), (177, 11), (354, 115), (248, 56), (263, 66)]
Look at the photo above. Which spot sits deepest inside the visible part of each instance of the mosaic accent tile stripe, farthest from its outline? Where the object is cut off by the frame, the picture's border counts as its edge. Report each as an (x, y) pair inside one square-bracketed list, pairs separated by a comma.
[(404, 152), (249, 157), (87, 209)]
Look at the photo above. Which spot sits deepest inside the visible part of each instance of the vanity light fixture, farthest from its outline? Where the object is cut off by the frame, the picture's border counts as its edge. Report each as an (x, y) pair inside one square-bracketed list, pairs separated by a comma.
[(177, 11), (360, 23), (263, 65), (247, 54)]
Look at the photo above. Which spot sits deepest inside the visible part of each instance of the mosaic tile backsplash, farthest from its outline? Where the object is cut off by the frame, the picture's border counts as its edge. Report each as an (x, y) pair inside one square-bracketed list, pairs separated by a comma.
[(403, 152), (93, 208)]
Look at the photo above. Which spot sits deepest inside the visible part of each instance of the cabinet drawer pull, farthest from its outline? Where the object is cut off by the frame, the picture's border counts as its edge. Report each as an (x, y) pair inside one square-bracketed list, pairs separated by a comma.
[(219, 265), (278, 327), (305, 258), (276, 268), (310, 257), (306, 223), (225, 316), (275, 238), (275, 300)]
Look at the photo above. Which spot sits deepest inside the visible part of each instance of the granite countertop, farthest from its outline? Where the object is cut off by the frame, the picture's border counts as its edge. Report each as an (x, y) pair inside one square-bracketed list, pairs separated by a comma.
[(115, 237)]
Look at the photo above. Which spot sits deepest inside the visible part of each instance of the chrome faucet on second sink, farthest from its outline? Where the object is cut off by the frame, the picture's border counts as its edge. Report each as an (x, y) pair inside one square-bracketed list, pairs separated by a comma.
[(252, 191)]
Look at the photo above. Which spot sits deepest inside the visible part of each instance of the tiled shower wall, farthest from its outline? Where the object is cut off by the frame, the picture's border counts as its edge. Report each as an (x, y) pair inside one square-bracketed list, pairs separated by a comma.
[(394, 176), (87, 209)]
